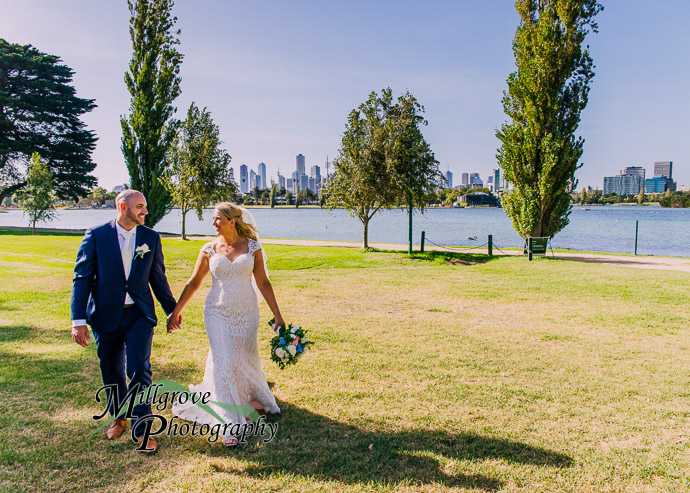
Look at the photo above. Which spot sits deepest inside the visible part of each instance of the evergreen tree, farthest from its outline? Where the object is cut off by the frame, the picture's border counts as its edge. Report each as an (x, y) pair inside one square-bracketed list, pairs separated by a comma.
[(273, 196), (37, 197), (40, 112), (153, 82), (199, 169), (539, 153)]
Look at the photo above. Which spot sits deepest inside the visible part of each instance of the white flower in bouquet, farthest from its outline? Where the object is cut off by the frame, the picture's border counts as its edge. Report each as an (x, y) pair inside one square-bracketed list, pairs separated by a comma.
[(281, 353), (292, 350), (294, 329)]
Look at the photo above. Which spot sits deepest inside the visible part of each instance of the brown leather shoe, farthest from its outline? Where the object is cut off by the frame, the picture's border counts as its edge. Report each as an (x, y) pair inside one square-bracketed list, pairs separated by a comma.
[(116, 428), (151, 446)]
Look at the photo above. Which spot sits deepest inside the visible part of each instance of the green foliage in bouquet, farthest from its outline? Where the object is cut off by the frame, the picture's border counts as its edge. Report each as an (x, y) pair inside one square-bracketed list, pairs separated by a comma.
[(288, 344)]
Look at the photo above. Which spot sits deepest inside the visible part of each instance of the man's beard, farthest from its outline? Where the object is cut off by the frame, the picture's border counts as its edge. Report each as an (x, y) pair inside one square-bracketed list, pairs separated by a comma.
[(132, 216)]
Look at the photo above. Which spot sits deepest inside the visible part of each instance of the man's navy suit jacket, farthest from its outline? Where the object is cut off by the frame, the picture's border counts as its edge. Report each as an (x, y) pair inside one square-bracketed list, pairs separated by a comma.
[(98, 292)]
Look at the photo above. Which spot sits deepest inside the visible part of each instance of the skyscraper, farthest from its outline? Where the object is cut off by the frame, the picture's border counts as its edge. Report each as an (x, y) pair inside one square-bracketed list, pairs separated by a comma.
[(663, 169), (634, 171), (300, 164), (252, 180), (316, 172), (244, 179), (262, 174), (465, 178), (294, 183), (449, 179)]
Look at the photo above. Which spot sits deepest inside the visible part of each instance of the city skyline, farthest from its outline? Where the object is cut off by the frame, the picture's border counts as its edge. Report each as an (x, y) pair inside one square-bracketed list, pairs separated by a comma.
[(276, 92)]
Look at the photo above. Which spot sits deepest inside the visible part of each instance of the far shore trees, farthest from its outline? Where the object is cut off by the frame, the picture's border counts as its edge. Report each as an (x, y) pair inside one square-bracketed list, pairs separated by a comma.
[(199, 169), (37, 198), (539, 152), (381, 149), (40, 112), (153, 82)]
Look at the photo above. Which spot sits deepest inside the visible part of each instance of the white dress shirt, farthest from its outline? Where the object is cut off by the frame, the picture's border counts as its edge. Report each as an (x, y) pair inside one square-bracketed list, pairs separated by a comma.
[(121, 241)]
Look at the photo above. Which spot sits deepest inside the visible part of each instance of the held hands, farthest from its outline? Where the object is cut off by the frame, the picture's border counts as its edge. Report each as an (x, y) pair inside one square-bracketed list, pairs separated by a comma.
[(174, 321), (80, 335)]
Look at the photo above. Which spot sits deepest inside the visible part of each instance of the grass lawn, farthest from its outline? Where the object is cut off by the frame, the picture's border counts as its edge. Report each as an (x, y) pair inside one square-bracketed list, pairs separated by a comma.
[(444, 372)]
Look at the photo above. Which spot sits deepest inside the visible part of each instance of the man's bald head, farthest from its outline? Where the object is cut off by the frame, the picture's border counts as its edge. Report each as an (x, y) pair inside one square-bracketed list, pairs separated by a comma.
[(131, 208)]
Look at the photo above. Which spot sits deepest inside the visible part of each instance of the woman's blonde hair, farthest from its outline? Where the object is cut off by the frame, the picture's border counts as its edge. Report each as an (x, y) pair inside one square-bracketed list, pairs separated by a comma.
[(233, 211)]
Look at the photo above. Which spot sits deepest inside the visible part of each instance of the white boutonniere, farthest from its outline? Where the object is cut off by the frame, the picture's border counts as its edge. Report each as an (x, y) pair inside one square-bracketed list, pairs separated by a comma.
[(141, 250)]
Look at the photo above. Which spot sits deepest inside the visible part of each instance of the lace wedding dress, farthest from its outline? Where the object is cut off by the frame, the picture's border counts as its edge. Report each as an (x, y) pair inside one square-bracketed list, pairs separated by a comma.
[(234, 374)]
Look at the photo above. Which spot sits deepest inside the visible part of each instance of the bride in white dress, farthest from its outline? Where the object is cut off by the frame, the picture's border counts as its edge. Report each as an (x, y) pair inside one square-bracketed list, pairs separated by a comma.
[(234, 374)]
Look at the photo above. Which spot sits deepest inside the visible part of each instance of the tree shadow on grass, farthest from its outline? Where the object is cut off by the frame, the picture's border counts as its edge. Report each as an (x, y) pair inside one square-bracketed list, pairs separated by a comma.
[(441, 257), (315, 446)]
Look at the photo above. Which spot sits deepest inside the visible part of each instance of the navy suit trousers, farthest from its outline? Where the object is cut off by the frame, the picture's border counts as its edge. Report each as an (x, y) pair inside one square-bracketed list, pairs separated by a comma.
[(129, 346)]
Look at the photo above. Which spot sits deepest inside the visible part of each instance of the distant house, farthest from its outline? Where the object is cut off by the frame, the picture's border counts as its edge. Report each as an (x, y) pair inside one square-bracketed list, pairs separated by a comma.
[(110, 204), (480, 198)]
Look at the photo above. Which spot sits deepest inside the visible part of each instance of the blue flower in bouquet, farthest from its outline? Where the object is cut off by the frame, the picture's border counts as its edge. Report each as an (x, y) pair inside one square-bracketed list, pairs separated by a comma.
[(288, 344)]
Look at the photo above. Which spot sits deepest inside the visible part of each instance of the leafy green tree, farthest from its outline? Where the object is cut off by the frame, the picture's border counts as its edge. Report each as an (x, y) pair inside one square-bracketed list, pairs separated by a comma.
[(40, 112), (199, 168), (37, 197), (153, 82), (641, 197), (99, 195), (288, 198), (382, 147), (539, 152)]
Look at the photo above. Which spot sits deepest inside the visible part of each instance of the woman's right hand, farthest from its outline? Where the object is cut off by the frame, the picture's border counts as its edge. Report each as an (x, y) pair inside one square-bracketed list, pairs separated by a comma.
[(174, 321)]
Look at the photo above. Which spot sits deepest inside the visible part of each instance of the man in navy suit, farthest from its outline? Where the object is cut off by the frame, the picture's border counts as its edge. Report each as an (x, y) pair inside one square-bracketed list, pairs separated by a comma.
[(116, 264)]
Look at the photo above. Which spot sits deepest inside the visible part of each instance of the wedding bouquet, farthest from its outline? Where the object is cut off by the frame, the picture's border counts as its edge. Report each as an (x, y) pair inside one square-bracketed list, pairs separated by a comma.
[(289, 344)]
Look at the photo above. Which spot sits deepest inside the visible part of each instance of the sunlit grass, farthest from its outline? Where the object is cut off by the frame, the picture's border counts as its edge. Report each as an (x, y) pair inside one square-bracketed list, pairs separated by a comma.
[(439, 372)]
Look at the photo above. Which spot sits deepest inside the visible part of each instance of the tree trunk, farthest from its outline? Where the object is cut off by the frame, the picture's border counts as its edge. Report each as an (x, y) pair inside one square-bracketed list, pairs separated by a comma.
[(184, 216), (366, 233), (33, 227)]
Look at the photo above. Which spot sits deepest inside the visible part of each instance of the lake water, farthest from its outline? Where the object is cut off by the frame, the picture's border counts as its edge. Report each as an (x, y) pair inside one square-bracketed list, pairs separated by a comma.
[(603, 228)]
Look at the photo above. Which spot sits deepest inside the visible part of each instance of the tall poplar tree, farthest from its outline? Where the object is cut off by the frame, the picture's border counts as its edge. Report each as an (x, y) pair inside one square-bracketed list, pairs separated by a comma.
[(153, 82), (540, 152)]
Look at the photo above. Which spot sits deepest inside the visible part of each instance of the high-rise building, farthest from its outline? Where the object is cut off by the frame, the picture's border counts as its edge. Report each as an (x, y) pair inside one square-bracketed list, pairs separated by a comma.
[(303, 182), (659, 184), (465, 179), (301, 164), (313, 184), (634, 171), (623, 184), (252, 180), (294, 183), (316, 172), (663, 169), (262, 175), (244, 179), (475, 180), (449, 179), (500, 184)]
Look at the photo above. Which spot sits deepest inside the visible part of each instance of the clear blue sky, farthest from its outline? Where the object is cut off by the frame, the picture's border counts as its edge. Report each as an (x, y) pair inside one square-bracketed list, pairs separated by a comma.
[(280, 77)]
